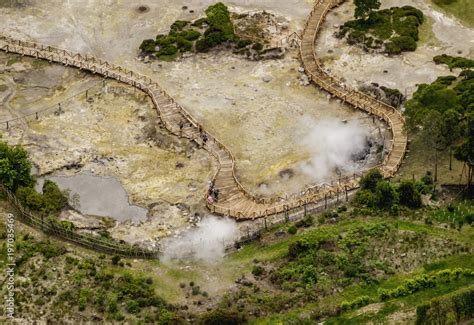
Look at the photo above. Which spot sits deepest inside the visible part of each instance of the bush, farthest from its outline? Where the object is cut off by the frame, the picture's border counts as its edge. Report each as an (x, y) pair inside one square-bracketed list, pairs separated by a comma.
[(370, 181), (453, 308), (222, 317), (51, 202), (191, 35), (115, 260), (454, 61), (179, 25), (292, 230), (148, 46), (306, 222), (133, 307), (15, 168), (257, 270), (357, 303), (365, 198), (385, 195), (409, 195), (218, 17), (183, 44)]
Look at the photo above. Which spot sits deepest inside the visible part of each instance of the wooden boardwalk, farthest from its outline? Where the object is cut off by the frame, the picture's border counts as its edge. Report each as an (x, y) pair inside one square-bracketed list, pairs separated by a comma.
[(234, 200)]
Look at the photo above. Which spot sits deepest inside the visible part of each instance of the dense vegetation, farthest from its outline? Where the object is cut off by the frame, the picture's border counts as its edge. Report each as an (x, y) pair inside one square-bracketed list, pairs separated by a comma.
[(377, 194), (454, 308), (200, 35), (454, 61), (15, 174), (442, 114), (392, 30), (91, 287)]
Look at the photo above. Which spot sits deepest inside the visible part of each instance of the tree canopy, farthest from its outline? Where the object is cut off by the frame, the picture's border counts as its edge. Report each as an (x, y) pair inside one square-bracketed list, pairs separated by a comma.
[(15, 168), (365, 7)]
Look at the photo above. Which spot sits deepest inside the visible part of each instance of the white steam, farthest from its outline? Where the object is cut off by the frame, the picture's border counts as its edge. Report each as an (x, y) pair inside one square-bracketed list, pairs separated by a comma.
[(332, 145), (204, 242)]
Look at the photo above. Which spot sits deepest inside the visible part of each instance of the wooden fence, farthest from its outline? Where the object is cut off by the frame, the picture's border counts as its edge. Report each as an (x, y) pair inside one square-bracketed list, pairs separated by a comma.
[(96, 243)]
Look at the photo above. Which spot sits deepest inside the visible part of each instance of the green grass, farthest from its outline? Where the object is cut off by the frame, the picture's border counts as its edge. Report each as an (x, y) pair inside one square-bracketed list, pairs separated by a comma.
[(427, 36), (419, 160), (462, 9)]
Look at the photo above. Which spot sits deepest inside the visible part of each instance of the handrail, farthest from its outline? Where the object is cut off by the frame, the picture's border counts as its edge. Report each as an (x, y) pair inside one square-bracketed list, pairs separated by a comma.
[(264, 206)]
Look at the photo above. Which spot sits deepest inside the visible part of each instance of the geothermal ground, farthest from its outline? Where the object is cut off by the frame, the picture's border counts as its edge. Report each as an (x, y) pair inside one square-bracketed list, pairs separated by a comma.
[(284, 133)]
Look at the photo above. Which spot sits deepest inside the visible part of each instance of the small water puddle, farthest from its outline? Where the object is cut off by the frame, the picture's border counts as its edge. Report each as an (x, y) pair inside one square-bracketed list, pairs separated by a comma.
[(99, 196)]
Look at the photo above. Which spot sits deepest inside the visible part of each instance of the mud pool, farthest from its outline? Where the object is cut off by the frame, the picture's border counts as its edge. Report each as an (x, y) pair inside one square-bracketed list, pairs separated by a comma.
[(100, 196), (262, 111)]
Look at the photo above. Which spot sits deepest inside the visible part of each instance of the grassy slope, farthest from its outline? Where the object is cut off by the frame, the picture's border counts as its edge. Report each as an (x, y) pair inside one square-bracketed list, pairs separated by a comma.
[(462, 9), (404, 304), (421, 162)]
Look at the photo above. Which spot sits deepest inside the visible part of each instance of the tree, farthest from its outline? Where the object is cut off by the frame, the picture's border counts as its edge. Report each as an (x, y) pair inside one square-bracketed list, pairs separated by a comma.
[(465, 151), (409, 195), (385, 195), (15, 168), (433, 135), (365, 7), (370, 181)]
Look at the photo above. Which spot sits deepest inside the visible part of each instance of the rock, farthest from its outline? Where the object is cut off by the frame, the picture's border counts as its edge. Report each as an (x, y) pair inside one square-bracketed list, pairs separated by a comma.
[(146, 59), (304, 80), (301, 69), (267, 78)]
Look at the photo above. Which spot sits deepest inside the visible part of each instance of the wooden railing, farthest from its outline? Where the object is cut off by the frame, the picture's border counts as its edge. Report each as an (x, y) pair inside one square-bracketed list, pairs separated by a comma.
[(265, 206), (92, 242)]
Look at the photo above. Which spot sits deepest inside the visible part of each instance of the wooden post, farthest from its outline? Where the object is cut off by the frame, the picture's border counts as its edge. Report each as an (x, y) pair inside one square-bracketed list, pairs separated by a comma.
[(7, 125), (305, 208), (36, 115), (347, 193), (325, 201)]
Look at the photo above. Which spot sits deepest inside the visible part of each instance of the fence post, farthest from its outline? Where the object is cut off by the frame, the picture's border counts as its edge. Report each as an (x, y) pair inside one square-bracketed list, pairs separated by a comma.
[(347, 194), (325, 201), (305, 203)]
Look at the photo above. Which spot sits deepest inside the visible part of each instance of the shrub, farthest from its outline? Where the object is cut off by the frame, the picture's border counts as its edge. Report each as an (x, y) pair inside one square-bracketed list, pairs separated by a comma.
[(15, 168), (370, 181), (183, 44), (195, 290), (292, 230), (133, 307), (306, 222), (218, 17), (365, 198), (453, 308), (168, 50), (179, 25), (148, 46), (54, 199), (404, 43), (115, 259), (222, 317), (385, 195), (356, 303), (454, 61), (191, 35), (257, 270), (409, 195)]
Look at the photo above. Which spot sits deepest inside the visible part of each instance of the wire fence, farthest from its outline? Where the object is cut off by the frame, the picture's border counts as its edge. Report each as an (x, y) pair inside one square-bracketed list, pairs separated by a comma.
[(264, 225), (54, 228), (57, 108)]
